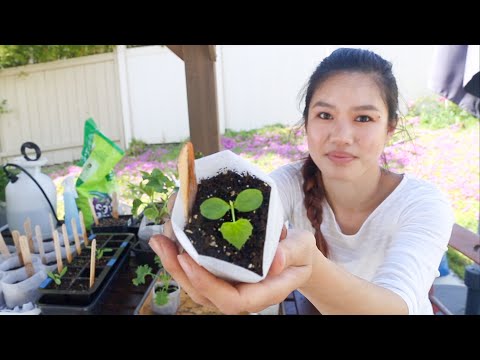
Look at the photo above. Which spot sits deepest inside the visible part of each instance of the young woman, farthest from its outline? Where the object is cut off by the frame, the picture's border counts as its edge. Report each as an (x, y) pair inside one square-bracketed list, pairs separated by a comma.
[(365, 240)]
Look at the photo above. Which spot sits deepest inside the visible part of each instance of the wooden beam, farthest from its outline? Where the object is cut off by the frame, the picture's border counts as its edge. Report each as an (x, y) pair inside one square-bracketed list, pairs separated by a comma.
[(202, 98), (212, 53), (177, 50)]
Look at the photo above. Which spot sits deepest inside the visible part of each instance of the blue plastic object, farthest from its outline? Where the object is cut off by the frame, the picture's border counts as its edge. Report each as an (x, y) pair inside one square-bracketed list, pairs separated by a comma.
[(443, 268)]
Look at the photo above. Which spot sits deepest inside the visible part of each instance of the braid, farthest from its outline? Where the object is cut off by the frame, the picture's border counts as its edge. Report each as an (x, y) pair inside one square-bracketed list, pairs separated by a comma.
[(314, 195)]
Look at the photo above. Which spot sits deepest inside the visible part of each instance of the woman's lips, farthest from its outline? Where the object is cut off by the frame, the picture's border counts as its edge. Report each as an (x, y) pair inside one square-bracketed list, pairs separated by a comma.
[(340, 157)]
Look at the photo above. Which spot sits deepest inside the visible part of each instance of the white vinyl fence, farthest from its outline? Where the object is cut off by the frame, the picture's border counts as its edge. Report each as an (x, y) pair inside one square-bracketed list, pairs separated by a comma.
[(49, 103), (141, 93)]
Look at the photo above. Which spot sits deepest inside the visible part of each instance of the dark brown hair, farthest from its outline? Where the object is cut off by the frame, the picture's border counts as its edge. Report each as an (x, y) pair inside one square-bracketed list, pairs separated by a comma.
[(340, 61)]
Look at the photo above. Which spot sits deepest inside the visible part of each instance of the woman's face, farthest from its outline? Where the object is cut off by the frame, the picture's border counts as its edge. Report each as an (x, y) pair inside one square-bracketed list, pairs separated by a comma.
[(347, 126)]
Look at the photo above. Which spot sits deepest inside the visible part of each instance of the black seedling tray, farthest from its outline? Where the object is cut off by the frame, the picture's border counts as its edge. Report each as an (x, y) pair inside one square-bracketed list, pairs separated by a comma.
[(71, 296)]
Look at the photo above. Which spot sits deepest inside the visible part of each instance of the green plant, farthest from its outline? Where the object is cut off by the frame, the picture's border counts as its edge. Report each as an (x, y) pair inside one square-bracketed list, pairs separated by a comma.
[(17, 55), (437, 112), (3, 107), (3, 184), (161, 294), (100, 252), (57, 278), (151, 196), (238, 231), (136, 147)]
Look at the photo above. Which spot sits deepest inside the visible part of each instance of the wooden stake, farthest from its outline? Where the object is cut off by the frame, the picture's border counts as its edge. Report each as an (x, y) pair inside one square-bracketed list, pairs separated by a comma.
[(75, 237), (66, 242), (27, 256), (16, 241), (3, 247), (93, 252), (115, 205), (84, 230), (94, 213), (27, 225), (188, 179), (41, 250), (58, 252)]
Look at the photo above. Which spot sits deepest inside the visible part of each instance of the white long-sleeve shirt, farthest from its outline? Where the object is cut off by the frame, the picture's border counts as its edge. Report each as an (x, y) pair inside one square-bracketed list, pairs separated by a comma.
[(398, 247)]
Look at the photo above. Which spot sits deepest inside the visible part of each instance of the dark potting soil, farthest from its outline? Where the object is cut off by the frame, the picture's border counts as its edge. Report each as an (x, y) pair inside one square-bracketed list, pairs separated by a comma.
[(205, 234), (64, 285), (110, 221), (80, 261), (80, 285), (103, 261), (170, 289)]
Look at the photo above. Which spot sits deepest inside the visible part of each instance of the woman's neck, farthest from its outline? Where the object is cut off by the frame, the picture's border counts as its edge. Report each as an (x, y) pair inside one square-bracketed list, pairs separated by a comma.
[(360, 196)]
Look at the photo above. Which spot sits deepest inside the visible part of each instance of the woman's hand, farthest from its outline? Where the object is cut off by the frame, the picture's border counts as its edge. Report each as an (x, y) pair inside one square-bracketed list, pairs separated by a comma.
[(290, 269)]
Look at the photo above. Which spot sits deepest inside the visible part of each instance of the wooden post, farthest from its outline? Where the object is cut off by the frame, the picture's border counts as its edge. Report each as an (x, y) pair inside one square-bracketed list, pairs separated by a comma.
[(202, 97)]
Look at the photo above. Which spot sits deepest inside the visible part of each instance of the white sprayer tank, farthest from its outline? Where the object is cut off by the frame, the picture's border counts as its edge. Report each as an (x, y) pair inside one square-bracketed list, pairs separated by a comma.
[(25, 200)]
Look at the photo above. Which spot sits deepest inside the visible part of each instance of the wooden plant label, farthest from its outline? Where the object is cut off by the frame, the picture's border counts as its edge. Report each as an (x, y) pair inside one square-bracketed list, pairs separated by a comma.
[(94, 213), (16, 241), (84, 230), (93, 252), (75, 237), (66, 242), (3, 247), (58, 252), (188, 180), (27, 225), (41, 250), (27, 256), (115, 205)]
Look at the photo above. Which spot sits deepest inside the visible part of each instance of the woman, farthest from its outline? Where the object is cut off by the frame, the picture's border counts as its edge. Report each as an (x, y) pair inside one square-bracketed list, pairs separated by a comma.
[(365, 240)]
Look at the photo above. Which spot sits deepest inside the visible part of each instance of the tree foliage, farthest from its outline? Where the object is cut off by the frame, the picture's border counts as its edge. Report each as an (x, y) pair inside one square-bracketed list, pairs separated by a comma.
[(17, 55)]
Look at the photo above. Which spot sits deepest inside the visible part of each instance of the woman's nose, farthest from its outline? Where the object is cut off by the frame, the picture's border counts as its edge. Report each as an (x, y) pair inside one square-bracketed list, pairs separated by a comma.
[(341, 133)]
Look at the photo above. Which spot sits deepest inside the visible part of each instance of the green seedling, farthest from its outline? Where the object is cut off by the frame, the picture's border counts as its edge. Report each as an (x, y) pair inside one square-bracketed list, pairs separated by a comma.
[(57, 278), (99, 253), (151, 196), (236, 232), (161, 294)]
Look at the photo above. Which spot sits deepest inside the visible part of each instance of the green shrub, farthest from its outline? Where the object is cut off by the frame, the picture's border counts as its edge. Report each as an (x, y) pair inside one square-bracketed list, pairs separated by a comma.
[(3, 184), (437, 112)]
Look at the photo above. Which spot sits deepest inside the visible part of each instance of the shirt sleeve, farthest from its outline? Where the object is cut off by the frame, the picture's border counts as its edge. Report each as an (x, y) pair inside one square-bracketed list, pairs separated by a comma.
[(283, 178), (412, 260)]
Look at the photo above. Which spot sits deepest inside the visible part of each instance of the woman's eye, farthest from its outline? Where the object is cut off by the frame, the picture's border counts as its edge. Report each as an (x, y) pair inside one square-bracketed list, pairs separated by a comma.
[(324, 115), (364, 118)]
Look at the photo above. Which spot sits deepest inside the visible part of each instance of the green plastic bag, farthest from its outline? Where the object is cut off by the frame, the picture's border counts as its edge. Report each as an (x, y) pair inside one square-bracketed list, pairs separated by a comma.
[(97, 179)]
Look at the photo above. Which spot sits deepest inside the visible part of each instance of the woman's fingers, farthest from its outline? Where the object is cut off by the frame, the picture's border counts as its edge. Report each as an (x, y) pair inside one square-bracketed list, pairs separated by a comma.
[(218, 291), (167, 250), (295, 250)]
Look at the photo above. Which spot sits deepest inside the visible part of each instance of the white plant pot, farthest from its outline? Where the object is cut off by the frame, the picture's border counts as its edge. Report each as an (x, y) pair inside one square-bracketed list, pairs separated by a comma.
[(19, 289), (171, 307), (208, 167), (271, 310), (145, 232)]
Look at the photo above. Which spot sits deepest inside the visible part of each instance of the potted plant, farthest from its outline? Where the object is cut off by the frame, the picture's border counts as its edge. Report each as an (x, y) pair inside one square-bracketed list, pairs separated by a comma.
[(235, 221), (150, 202), (115, 223), (165, 291)]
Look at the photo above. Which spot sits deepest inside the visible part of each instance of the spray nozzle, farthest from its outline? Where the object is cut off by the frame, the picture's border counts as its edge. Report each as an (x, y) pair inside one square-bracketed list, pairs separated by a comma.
[(11, 176)]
